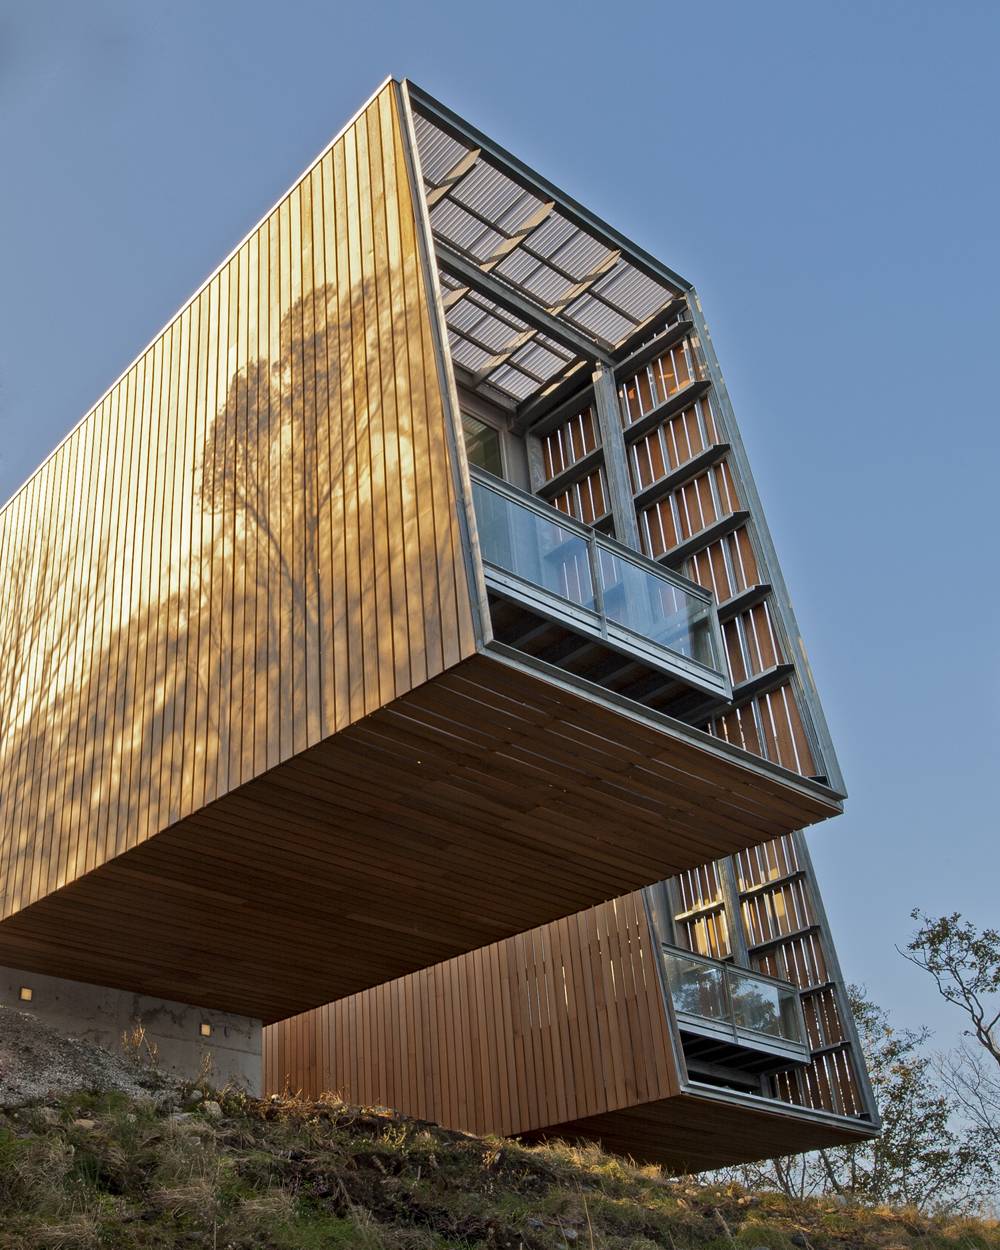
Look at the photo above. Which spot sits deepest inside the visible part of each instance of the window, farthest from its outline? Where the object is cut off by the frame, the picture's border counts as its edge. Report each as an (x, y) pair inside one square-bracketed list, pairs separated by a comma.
[(586, 500), (688, 509), (482, 445), (569, 443), (657, 381), (672, 444)]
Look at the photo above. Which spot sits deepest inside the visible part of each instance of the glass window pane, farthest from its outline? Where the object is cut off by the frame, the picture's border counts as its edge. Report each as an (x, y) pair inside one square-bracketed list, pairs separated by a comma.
[(543, 552), (697, 988), (761, 1007), (651, 606), (482, 445)]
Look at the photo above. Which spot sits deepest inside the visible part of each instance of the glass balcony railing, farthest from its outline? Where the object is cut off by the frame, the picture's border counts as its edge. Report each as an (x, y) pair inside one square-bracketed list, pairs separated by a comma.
[(745, 1008), (596, 586)]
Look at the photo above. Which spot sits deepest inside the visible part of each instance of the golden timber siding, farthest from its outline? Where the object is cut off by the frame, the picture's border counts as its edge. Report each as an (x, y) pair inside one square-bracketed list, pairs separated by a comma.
[(250, 543), (556, 1024)]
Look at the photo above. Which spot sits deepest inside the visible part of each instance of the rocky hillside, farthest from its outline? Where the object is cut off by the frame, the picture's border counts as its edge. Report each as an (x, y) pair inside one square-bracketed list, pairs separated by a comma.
[(165, 1166), (36, 1063)]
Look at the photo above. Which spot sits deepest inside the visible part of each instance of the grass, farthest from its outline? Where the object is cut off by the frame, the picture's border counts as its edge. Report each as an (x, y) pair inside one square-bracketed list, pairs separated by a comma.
[(104, 1171)]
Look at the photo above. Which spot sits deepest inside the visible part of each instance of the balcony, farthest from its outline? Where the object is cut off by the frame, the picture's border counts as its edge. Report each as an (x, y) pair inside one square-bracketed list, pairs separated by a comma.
[(733, 1023), (563, 592)]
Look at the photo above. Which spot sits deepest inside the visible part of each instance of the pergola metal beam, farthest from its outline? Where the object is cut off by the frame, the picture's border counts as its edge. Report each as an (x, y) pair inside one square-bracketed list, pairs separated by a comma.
[(519, 241), (520, 235), (632, 358), (555, 328), (577, 286), (452, 178), (615, 462), (531, 181), (584, 285), (502, 356), (557, 398)]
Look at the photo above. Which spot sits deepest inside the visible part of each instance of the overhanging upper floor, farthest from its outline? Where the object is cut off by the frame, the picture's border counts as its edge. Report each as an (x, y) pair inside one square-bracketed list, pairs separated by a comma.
[(283, 715), (570, 1030), (480, 804), (585, 376)]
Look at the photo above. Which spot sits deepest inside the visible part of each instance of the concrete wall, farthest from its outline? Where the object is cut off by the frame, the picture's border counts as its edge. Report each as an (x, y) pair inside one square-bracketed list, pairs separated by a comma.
[(231, 1053)]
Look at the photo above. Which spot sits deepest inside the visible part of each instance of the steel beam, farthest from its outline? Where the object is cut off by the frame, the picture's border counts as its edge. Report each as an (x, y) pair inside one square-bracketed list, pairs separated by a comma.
[(788, 629), (469, 273), (533, 182), (615, 465)]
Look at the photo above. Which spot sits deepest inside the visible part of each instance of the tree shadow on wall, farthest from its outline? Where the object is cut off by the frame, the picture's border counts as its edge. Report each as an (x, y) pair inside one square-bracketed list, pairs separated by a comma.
[(253, 640), (310, 469)]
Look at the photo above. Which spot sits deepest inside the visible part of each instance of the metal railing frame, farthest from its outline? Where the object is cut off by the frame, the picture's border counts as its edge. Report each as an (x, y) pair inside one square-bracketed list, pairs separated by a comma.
[(615, 633), (740, 1035)]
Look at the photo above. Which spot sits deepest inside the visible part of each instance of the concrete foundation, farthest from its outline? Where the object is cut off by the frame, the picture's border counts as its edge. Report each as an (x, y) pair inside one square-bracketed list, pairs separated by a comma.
[(190, 1042)]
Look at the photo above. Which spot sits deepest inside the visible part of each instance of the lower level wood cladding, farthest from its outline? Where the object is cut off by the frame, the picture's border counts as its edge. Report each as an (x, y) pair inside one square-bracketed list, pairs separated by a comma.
[(562, 1031), (479, 805), (559, 1023)]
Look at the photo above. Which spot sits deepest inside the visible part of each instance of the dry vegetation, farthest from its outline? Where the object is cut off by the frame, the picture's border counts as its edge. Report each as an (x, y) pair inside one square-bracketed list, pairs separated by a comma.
[(198, 1169)]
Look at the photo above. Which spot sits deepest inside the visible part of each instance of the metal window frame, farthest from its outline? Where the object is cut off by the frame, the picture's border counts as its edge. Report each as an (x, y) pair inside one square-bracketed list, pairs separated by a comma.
[(659, 908)]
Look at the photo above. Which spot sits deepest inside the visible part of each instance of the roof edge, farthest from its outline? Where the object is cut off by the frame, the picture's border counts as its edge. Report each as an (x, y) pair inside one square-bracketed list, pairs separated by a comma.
[(389, 78), (581, 215)]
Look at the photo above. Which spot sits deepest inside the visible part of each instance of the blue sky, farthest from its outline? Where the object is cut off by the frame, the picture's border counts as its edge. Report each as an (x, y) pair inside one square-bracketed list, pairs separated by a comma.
[(825, 173)]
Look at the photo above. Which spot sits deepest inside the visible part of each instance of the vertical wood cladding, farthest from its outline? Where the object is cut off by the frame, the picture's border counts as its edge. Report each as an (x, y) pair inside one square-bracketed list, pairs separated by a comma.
[(251, 541), (563, 1026), (784, 939), (558, 1023), (690, 505)]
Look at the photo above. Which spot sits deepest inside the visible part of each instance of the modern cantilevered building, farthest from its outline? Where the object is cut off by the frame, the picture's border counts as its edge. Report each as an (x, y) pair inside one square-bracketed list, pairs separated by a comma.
[(405, 601)]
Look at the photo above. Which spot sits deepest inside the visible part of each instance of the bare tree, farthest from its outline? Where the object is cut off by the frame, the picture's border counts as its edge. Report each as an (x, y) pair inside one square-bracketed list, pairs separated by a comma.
[(965, 965), (923, 1157), (970, 1080)]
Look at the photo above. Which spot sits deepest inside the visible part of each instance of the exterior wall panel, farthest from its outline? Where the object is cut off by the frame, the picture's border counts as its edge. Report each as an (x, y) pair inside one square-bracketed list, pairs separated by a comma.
[(250, 543), (562, 1031), (559, 1023)]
